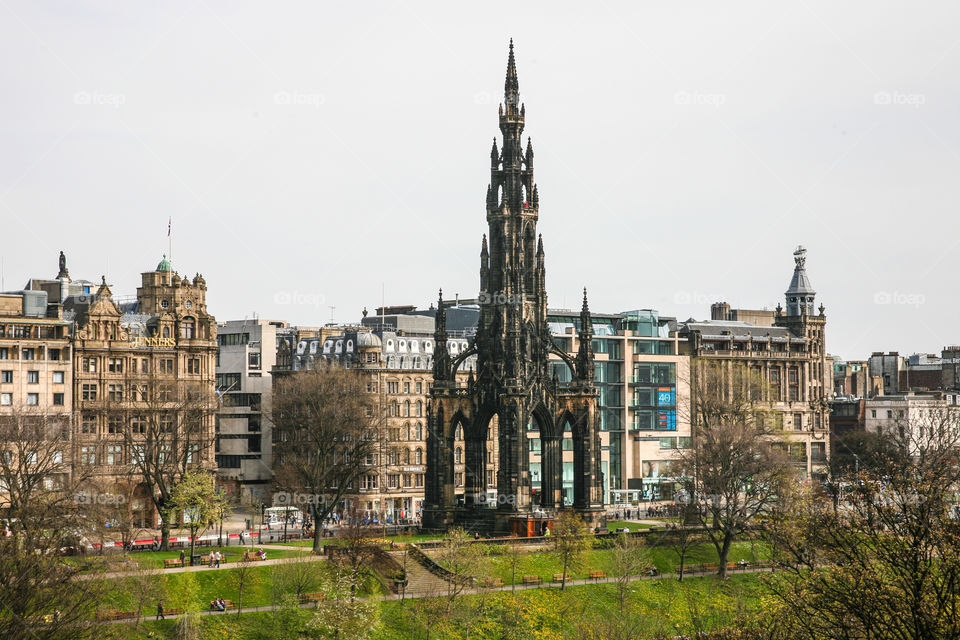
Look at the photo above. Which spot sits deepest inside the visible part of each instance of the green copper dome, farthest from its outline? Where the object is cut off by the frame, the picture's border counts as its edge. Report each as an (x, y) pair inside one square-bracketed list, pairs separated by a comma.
[(164, 264)]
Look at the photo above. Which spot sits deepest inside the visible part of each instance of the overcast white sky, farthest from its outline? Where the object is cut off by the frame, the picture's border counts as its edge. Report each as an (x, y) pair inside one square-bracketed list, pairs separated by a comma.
[(311, 153)]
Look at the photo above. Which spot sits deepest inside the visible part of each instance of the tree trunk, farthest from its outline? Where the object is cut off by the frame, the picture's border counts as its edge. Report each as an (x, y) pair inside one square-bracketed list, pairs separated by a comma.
[(724, 555), (563, 582), (240, 598), (317, 533), (193, 542), (682, 558), (164, 535)]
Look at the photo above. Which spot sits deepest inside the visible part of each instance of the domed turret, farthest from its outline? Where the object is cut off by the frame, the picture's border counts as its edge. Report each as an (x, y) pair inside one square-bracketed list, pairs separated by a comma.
[(164, 264)]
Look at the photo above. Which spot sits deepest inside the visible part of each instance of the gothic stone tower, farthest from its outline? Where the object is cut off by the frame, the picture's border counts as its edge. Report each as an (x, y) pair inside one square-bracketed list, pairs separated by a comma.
[(513, 388)]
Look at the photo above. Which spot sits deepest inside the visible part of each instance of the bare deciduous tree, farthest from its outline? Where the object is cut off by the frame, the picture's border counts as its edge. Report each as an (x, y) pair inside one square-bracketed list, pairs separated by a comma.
[(886, 563), (733, 470), (324, 437), (630, 559), (41, 593), (167, 430)]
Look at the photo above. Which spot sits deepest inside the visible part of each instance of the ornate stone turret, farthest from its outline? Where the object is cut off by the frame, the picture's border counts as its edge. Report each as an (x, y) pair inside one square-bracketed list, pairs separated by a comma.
[(800, 295)]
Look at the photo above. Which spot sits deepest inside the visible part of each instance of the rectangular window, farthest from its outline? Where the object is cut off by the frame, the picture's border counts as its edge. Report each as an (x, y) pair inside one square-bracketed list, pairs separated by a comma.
[(88, 456), (58, 377), (534, 445), (6, 399), (229, 339), (138, 425), (798, 422), (115, 392), (393, 387), (58, 399), (90, 365), (28, 354), (33, 399), (419, 478), (114, 424), (193, 365), (114, 454), (419, 387), (115, 365), (228, 381), (33, 377), (53, 354), (253, 360), (6, 377), (393, 481), (88, 423), (4, 353), (406, 387)]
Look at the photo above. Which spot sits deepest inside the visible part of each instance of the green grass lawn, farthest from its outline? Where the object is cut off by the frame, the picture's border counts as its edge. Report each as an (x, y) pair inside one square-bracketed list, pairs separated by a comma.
[(632, 526), (208, 584), (655, 608), (544, 564)]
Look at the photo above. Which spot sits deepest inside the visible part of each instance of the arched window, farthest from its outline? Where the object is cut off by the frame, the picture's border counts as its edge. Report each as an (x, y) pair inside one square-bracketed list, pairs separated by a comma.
[(459, 433), (419, 456), (406, 409), (407, 432), (187, 328), (419, 431), (406, 456), (166, 332), (458, 456), (419, 408)]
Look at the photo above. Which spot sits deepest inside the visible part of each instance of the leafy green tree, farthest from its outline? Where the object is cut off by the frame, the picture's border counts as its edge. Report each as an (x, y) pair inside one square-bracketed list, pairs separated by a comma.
[(569, 542), (195, 497)]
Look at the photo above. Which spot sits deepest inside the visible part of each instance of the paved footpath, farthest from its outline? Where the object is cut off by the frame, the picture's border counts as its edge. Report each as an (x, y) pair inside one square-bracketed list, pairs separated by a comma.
[(206, 567)]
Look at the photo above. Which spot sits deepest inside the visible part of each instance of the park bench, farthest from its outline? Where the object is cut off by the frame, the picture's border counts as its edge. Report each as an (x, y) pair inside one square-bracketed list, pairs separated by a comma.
[(171, 612), (492, 582), (250, 556), (228, 604), (710, 567), (596, 575), (172, 562), (106, 614), (532, 580), (558, 577), (312, 597)]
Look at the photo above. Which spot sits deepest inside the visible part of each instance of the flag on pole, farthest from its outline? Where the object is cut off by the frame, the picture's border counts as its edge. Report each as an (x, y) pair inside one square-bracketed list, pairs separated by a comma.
[(169, 222)]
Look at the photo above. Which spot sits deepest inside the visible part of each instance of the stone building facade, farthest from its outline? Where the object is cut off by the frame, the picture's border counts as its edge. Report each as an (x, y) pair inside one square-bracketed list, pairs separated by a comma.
[(790, 356), (136, 361), (395, 353)]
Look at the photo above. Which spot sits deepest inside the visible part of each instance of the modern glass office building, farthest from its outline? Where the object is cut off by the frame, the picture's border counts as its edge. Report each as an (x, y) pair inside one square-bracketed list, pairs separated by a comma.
[(643, 384)]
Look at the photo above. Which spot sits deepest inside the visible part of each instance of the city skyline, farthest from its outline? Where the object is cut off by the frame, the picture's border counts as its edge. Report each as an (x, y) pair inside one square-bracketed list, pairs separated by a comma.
[(326, 170)]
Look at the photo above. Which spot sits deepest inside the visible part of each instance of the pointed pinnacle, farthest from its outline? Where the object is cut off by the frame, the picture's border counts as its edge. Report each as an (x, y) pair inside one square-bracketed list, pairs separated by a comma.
[(540, 244), (483, 247), (511, 83), (586, 308)]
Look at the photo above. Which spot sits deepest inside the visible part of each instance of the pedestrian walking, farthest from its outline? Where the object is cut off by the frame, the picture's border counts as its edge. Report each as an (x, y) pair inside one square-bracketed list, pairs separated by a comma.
[(160, 611), (219, 558), (183, 555)]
